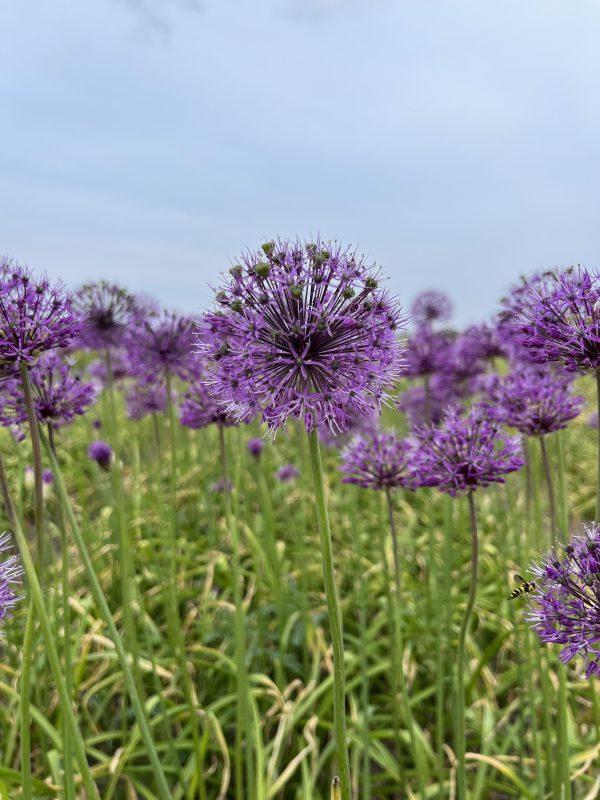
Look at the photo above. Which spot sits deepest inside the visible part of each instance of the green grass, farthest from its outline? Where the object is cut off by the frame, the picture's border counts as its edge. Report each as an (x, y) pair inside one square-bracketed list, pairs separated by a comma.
[(182, 572)]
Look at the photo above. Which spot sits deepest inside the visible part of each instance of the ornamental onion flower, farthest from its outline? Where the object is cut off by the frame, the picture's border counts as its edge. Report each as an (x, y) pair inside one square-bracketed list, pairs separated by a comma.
[(102, 454), (303, 332), (255, 447), (58, 394), (159, 345), (35, 316), (534, 399), (10, 576), (378, 460), (465, 453), (287, 473), (559, 319), (431, 306), (144, 397), (106, 310), (565, 608), (200, 408)]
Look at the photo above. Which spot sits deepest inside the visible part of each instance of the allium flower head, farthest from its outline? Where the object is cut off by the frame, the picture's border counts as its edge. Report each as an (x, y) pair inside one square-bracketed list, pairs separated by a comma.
[(255, 447), (464, 453), (431, 306), (287, 473), (107, 309), (427, 352), (423, 405), (304, 331), (565, 608), (10, 576), (35, 316), (378, 460), (145, 397), (160, 343), (102, 454), (559, 319), (200, 408), (58, 394), (534, 399)]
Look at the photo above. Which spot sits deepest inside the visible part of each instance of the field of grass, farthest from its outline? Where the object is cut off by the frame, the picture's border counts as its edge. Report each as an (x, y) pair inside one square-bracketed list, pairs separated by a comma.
[(169, 552)]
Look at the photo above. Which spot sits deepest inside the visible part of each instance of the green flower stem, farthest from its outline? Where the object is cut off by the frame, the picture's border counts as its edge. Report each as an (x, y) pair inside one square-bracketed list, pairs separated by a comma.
[(399, 638), (36, 595), (460, 709), (335, 617), (68, 773), (176, 632), (25, 704), (36, 450), (242, 710), (163, 790), (550, 487)]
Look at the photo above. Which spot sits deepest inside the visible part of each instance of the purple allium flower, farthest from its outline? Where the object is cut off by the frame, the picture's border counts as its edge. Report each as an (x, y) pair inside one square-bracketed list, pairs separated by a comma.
[(534, 399), (431, 306), (160, 343), (35, 316), (303, 332), (565, 608), (378, 460), (255, 447), (423, 405), (465, 453), (479, 342), (287, 473), (559, 319), (48, 477), (118, 364), (106, 309), (97, 424), (102, 454), (10, 574), (59, 395), (145, 397), (200, 408), (427, 351), (220, 486)]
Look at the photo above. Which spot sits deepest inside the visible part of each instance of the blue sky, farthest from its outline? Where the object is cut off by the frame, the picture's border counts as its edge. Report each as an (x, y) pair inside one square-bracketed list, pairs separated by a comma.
[(150, 141)]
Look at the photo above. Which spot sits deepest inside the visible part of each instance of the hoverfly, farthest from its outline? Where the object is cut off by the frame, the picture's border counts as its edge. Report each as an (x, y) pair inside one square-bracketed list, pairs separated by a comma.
[(524, 587)]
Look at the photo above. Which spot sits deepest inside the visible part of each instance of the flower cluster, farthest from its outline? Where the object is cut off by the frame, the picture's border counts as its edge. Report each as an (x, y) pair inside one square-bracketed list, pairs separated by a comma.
[(59, 395), (465, 453), (565, 608), (102, 454), (431, 306), (559, 319), (144, 397), (106, 310), (35, 316), (378, 460), (303, 331), (200, 408), (10, 575), (160, 343), (534, 399)]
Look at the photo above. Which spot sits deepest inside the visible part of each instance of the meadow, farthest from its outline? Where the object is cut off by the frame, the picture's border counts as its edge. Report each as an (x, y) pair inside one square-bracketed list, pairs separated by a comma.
[(178, 643)]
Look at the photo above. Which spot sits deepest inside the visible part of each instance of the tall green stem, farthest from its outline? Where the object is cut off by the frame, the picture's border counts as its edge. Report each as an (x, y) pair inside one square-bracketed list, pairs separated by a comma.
[(35, 592), (163, 790), (36, 450), (240, 636), (550, 487), (399, 638), (335, 616), (175, 622), (464, 628)]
